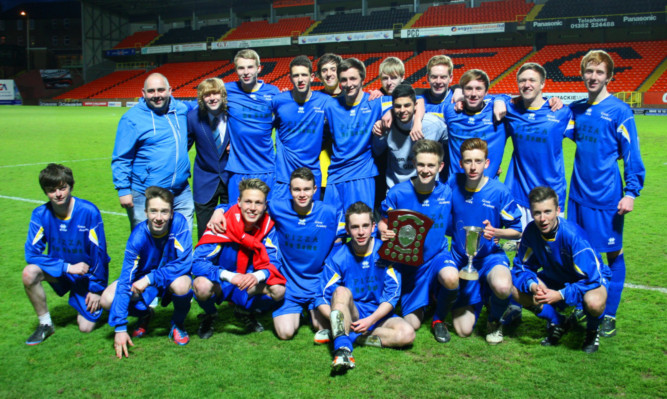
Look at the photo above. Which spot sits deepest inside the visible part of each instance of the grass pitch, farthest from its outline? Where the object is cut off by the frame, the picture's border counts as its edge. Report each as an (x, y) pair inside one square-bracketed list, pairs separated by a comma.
[(233, 364)]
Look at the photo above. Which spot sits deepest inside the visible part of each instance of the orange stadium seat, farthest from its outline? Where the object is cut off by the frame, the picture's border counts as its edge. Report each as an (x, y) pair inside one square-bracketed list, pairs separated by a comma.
[(487, 12), (264, 29), (633, 63), (137, 39)]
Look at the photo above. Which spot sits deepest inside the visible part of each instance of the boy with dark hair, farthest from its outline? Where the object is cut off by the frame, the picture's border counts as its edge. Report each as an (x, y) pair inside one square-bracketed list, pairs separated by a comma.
[(555, 267), (76, 258)]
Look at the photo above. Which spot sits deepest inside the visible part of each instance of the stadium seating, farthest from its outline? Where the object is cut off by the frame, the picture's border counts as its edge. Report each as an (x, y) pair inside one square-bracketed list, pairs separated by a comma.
[(494, 61), (487, 12), (633, 63), (263, 29), (100, 85), (578, 8), (660, 84), (187, 35), (355, 22), (137, 39)]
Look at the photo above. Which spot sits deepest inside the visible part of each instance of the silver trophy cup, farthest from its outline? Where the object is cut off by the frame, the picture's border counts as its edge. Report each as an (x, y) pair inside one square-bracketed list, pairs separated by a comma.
[(473, 235)]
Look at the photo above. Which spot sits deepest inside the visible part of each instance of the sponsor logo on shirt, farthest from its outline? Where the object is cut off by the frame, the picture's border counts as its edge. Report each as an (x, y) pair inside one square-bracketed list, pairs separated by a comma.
[(605, 116), (319, 224), (365, 110), (318, 110), (488, 204)]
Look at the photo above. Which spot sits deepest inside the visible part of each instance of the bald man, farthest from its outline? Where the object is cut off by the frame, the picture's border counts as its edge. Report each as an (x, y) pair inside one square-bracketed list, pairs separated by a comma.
[(152, 150)]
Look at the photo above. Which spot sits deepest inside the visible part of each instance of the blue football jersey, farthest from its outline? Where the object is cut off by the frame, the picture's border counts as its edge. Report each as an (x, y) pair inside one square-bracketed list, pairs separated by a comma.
[(605, 132), (80, 238), (305, 241), (462, 126), (567, 258), (163, 259), (299, 130), (351, 127), (537, 160), (370, 282), (493, 202), (250, 125), (437, 205)]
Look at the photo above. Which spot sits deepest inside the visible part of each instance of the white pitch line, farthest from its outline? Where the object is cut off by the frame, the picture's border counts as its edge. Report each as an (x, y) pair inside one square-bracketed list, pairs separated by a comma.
[(42, 202), (645, 287), (46, 163)]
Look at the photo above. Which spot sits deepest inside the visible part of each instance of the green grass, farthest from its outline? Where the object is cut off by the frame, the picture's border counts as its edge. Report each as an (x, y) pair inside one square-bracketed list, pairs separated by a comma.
[(232, 364)]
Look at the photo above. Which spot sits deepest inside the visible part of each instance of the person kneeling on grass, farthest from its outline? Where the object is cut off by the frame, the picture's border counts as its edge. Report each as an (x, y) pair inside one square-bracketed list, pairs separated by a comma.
[(240, 265), (76, 259), (359, 293), (158, 259), (572, 272)]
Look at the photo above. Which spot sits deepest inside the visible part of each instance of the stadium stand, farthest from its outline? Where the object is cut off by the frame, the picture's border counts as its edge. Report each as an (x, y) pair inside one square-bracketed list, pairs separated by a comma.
[(137, 39), (487, 12), (187, 35), (263, 29), (494, 61), (633, 63), (355, 22), (578, 8), (660, 84), (100, 85)]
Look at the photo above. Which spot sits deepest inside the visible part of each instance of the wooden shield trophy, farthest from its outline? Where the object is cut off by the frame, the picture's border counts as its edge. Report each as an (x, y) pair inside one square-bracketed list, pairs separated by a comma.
[(407, 246)]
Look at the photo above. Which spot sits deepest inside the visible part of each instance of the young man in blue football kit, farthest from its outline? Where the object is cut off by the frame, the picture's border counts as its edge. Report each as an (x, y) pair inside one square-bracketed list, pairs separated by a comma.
[(157, 263), (475, 120), (76, 259), (350, 119), (484, 202), (537, 135), (425, 194), (250, 124), (556, 266), (240, 265), (299, 121), (359, 293), (306, 231), (604, 131)]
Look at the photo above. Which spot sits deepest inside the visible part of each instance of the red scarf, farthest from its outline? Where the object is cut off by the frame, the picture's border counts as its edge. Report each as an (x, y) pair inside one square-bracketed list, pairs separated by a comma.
[(250, 244)]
